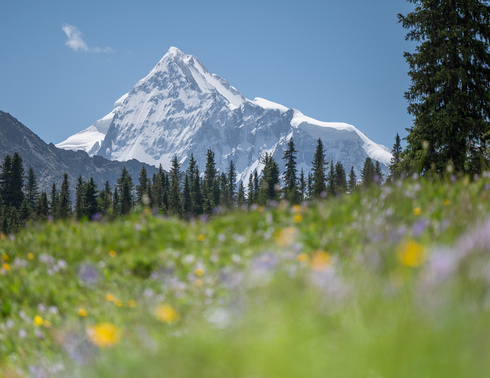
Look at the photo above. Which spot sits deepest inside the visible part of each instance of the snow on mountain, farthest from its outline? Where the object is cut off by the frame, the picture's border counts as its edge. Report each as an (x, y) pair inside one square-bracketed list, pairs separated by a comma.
[(181, 108)]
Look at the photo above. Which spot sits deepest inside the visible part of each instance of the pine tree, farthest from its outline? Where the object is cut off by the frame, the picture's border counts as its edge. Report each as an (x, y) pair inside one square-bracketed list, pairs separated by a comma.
[(54, 201), (378, 173), (90, 199), (395, 160), (105, 199), (25, 210), (186, 197), (256, 186), (116, 203), (367, 173), (143, 188), (224, 194), (289, 176), (157, 188), (340, 179), (174, 200), (240, 198), (303, 186), (194, 186), (331, 183), (64, 204), (250, 190), (79, 196), (12, 181), (269, 182), (231, 189), (352, 180), (318, 186), (32, 188), (42, 207), (209, 184), (450, 90), (125, 186)]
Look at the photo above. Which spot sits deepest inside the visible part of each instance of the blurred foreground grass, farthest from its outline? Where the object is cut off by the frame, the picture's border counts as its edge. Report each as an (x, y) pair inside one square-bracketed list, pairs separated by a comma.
[(392, 282)]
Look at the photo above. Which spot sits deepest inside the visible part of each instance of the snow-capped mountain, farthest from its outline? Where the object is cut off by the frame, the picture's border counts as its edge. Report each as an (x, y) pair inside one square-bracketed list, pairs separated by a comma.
[(181, 108)]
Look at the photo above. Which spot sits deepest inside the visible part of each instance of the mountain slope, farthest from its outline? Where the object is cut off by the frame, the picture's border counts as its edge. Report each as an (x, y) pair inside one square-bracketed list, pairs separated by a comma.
[(181, 108), (50, 162)]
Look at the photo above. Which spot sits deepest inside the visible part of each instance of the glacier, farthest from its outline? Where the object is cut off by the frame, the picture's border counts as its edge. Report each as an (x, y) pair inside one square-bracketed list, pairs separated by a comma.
[(181, 108)]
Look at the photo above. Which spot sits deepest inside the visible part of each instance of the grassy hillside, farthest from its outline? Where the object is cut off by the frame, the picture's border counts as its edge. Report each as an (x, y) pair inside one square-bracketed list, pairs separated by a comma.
[(393, 282)]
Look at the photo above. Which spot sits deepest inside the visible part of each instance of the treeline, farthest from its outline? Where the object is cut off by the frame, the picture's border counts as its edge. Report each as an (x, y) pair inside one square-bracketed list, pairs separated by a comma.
[(176, 192)]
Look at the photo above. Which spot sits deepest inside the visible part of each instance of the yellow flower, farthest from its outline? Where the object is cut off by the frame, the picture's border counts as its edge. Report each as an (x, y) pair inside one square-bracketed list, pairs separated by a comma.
[(298, 218), (132, 303), (302, 257), (411, 254), (2, 236), (199, 272), (166, 314), (6, 267), (296, 208), (110, 297), (118, 302), (82, 312), (320, 260), (417, 211), (447, 202), (104, 334), (112, 253), (260, 209), (30, 256), (5, 257), (198, 283), (201, 237), (47, 323), (285, 237), (38, 321)]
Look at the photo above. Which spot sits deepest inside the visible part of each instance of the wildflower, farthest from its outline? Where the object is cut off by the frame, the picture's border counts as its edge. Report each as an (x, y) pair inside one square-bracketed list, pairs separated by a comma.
[(5, 257), (166, 314), (110, 297), (199, 282), (285, 237), (411, 254), (417, 211), (118, 302), (201, 237), (30, 256), (112, 253), (298, 218), (199, 272), (46, 323), (302, 257), (296, 208), (104, 334), (320, 260), (38, 321), (260, 209), (82, 312), (132, 303), (6, 267), (447, 202)]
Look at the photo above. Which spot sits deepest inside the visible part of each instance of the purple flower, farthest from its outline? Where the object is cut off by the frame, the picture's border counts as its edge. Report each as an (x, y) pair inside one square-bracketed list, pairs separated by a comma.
[(88, 274), (419, 227)]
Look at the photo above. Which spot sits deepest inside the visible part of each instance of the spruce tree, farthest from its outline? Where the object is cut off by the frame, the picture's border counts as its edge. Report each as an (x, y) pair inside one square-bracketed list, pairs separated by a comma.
[(340, 179), (224, 194), (352, 180), (240, 198), (116, 203), (42, 207), (64, 203), (449, 96), (319, 164), (105, 199), (194, 186), (303, 186), (12, 181), (79, 196), (378, 173), (395, 160), (143, 188), (367, 173), (256, 186), (289, 176), (125, 186), (186, 197), (54, 201), (25, 210), (209, 184), (250, 190), (231, 189), (32, 188), (269, 182), (331, 183), (174, 200), (90, 199)]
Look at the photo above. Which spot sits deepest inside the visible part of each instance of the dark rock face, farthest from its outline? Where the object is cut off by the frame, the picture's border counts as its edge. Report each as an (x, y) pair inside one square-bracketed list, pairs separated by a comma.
[(50, 163)]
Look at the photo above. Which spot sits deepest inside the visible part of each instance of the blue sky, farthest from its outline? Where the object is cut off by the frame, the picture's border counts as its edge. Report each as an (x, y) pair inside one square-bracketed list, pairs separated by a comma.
[(334, 60)]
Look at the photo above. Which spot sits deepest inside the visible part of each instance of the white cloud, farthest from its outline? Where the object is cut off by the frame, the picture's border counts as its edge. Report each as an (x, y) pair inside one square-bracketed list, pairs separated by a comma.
[(75, 41)]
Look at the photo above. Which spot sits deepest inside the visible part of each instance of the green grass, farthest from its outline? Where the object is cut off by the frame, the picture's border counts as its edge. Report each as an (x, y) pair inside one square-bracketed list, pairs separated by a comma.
[(319, 291)]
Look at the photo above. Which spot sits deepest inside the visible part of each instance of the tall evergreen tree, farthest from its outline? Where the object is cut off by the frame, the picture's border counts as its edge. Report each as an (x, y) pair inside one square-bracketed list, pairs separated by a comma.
[(116, 203), (42, 207), (104, 199), (79, 197), (64, 203), (186, 197), (231, 189), (269, 182), (303, 186), (250, 190), (378, 173), (331, 183), (125, 185), (54, 201), (450, 92), (289, 176), (12, 181), (319, 164), (209, 184), (90, 199), (240, 198), (340, 179), (224, 194), (351, 185), (174, 200), (367, 173), (395, 160), (143, 188), (32, 188)]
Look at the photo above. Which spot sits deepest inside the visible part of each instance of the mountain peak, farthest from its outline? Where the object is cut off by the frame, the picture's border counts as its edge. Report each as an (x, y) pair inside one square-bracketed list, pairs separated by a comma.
[(174, 51)]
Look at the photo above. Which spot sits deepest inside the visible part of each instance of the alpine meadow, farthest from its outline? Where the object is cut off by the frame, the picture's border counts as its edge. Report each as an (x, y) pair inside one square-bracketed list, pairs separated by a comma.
[(192, 232)]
